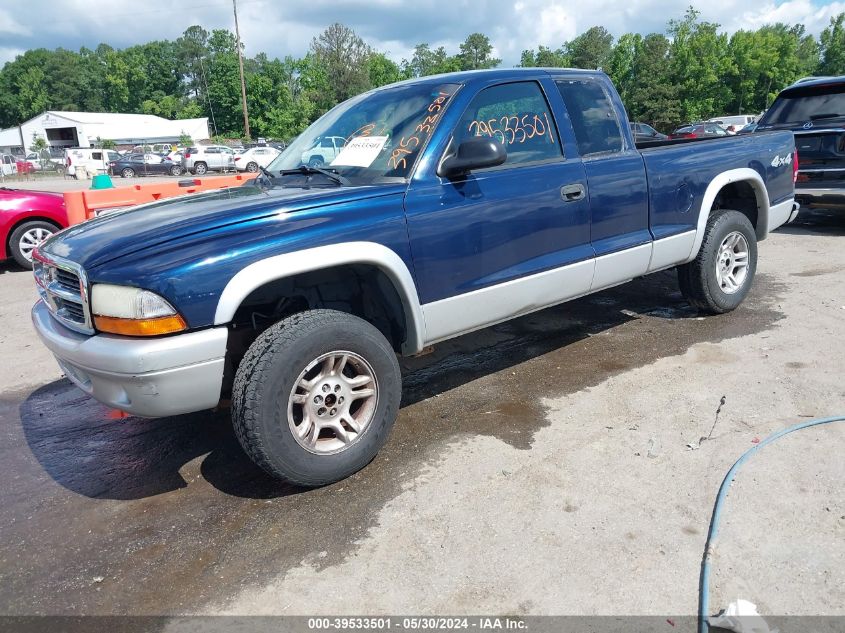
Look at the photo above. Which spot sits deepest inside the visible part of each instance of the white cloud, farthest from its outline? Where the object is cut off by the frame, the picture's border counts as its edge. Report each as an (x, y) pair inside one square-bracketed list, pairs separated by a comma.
[(8, 54), (814, 18), (394, 26), (9, 24)]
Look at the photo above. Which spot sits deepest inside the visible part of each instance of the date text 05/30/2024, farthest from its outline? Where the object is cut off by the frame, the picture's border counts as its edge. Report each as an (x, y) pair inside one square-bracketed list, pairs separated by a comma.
[(418, 623)]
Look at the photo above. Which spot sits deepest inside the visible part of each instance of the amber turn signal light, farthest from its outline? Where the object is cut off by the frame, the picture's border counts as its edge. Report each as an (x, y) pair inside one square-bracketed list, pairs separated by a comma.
[(140, 327)]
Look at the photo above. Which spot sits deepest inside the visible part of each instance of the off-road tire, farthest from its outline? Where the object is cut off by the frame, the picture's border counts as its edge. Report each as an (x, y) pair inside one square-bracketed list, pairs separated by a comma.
[(266, 376), (698, 279)]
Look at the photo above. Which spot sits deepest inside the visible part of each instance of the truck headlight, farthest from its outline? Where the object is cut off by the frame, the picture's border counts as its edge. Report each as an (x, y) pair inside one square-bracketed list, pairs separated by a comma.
[(133, 312)]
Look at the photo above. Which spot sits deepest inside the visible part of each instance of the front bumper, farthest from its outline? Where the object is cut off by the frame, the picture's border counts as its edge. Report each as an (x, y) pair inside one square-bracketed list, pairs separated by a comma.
[(146, 377)]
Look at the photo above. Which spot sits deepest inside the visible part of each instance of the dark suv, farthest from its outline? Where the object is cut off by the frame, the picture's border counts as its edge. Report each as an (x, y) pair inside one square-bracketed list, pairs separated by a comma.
[(815, 111)]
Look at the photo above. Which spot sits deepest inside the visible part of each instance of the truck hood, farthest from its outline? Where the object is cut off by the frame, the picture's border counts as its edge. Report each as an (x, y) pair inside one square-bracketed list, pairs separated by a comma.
[(143, 228)]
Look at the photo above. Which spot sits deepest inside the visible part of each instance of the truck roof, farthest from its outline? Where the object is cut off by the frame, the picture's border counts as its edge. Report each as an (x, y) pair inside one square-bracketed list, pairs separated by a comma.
[(467, 76)]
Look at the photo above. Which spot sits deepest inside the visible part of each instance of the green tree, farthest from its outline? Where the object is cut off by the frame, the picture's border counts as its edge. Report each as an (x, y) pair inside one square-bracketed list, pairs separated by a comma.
[(545, 58), (620, 65), (591, 49), (343, 57), (833, 47), (476, 52), (381, 70), (654, 97), (698, 64)]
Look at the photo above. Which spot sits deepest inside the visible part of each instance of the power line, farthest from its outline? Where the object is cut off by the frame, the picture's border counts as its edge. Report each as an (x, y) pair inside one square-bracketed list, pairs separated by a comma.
[(241, 67)]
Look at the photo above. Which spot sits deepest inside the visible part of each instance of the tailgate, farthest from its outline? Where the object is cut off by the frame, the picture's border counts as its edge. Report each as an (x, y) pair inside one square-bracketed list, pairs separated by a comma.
[(821, 158)]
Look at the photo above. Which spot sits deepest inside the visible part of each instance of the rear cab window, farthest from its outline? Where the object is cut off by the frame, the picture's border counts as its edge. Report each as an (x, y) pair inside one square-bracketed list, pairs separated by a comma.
[(518, 116), (807, 104), (594, 119)]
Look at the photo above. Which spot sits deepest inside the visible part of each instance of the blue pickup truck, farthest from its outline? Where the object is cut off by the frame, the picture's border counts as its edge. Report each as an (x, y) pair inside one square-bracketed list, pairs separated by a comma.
[(455, 202)]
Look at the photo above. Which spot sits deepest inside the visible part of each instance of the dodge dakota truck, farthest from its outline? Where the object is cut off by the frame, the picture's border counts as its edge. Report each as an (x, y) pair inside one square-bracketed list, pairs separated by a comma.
[(456, 202)]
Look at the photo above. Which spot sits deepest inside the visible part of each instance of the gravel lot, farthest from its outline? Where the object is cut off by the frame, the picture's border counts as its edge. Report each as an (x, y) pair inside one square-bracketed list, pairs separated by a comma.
[(537, 467)]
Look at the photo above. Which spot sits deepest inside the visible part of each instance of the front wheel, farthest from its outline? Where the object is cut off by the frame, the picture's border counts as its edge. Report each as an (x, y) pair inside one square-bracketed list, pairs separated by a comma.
[(26, 237), (720, 276), (316, 161), (315, 397)]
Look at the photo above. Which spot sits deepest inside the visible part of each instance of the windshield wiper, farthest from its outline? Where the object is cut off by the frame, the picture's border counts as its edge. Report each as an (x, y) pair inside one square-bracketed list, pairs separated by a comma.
[(308, 170)]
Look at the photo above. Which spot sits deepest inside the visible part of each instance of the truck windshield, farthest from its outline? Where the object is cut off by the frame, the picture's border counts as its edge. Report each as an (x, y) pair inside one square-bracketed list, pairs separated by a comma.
[(803, 104), (375, 137)]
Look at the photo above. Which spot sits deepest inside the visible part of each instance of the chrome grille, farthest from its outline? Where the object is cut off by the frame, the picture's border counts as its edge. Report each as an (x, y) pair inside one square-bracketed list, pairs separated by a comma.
[(67, 280), (64, 288)]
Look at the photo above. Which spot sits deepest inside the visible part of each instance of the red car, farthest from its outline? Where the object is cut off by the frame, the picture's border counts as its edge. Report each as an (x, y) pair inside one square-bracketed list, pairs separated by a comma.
[(27, 218)]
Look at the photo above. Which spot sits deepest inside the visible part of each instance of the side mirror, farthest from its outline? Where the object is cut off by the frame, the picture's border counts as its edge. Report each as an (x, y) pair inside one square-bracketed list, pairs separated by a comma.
[(477, 152)]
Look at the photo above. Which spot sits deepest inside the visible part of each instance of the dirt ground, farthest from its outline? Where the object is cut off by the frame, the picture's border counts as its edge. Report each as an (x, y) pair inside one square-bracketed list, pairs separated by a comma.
[(537, 467)]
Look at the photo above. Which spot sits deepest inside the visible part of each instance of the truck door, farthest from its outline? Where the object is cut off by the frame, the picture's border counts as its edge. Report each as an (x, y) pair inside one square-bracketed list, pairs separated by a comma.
[(486, 245), (616, 181)]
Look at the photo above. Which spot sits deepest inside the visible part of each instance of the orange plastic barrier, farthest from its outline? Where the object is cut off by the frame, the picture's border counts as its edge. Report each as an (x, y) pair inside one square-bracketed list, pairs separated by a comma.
[(83, 205)]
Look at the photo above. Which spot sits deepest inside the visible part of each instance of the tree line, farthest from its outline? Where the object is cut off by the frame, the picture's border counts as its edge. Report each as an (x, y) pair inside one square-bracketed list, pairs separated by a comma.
[(690, 72)]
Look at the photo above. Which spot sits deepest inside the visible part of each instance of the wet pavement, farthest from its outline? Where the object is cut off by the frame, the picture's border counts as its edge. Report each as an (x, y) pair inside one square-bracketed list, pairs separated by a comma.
[(107, 515)]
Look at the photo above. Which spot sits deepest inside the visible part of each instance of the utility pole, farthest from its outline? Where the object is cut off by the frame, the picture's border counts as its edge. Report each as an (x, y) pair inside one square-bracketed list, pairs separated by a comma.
[(241, 65)]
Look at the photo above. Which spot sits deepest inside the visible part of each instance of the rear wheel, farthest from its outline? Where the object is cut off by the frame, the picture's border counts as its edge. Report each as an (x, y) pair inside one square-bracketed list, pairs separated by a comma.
[(26, 237), (315, 397), (200, 169), (175, 170), (252, 167), (316, 161), (720, 276), (127, 172)]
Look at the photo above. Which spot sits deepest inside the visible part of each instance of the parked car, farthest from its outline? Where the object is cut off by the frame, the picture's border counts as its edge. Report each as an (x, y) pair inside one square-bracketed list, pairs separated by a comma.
[(79, 161), (45, 162), (8, 165), (733, 123), (203, 158), (815, 111), (698, 130), (27, 218), (456, 210), (250, 160), (322, 150), (144, 165), (644, 132)]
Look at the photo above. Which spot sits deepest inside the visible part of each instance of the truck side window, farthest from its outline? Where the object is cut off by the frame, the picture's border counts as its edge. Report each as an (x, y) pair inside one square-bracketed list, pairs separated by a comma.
[(518, 116), (593, 117)]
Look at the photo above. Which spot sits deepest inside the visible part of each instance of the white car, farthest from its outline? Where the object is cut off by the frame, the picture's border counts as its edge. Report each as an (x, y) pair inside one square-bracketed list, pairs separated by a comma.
[(81, 162), (735, 121), (250, 160), (324, 151), (8, 165)]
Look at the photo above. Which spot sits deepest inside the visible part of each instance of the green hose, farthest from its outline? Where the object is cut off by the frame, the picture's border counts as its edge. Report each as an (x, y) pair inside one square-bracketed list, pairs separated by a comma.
[(704, 582)]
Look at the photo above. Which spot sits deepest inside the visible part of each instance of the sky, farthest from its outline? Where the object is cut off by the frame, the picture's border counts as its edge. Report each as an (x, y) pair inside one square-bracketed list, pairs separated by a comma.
[(286, 27)]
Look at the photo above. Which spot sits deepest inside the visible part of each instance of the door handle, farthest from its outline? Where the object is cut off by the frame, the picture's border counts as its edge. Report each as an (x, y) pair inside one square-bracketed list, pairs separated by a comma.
[(571, 193)]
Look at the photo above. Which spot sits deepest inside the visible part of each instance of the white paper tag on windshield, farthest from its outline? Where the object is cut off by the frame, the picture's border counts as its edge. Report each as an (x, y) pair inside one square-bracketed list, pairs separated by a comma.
[(361, 151)]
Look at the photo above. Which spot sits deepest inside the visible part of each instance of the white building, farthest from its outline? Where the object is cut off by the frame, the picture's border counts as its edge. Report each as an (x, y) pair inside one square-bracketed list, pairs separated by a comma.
[(83, 129)]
